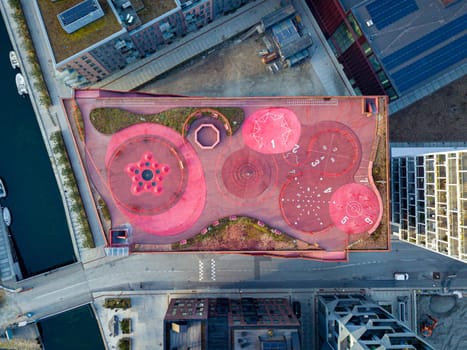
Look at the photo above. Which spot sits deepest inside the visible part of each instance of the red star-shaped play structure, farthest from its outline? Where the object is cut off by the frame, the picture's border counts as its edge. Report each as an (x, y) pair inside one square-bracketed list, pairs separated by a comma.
[(146, 175)]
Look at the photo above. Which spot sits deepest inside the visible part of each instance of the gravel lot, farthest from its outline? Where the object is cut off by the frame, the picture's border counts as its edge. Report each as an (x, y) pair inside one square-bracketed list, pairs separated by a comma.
[(441, 116), (235, 69), (450, 332)]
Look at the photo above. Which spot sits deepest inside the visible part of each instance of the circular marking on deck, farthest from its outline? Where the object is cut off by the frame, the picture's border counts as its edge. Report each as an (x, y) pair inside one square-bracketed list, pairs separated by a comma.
[(271, 130), (333, 150), (176, 166), (146, 174), (354, 208), (246, 174), (304, 203)]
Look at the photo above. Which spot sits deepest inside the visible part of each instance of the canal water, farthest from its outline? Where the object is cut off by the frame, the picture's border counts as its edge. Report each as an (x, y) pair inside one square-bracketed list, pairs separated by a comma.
[(39, 227), (72, 330)]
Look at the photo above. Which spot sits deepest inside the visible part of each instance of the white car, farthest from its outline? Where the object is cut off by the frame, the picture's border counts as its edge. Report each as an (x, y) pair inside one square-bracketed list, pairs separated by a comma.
[(401, 276)]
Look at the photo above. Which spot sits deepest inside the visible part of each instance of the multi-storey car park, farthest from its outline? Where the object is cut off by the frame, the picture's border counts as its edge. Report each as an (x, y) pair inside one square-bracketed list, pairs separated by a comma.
[(284, 176)]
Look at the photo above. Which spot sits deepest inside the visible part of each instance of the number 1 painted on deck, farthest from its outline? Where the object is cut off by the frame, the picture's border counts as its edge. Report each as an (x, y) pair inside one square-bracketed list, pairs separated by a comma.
[(273, 143)]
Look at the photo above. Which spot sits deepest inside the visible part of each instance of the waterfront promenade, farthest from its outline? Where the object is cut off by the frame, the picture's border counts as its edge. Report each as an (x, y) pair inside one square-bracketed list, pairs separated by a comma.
[(7, 269), (52, 119)]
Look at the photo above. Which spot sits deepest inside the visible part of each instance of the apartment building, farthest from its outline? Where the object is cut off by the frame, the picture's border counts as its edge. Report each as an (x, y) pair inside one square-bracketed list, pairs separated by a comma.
[(222, 323), (353, 322), (91, 39), (429, 201)]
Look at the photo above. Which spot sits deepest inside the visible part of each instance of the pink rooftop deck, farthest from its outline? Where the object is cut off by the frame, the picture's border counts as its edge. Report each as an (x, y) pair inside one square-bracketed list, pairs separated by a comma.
[(302, 165)]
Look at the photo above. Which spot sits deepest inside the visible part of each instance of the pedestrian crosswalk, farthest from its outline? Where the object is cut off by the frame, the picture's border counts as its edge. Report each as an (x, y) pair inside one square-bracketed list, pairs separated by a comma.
[(207, 269)]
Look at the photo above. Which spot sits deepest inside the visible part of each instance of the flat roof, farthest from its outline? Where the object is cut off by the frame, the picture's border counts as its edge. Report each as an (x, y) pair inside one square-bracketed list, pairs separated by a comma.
[(416, 41), (294, 47), (285, 32), (299, 183), (65, 45), (278, 16), (154, 9)]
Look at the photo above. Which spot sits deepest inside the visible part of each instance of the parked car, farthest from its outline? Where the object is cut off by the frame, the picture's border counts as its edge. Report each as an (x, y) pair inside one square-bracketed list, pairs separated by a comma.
[(297, 309), (401, 276)]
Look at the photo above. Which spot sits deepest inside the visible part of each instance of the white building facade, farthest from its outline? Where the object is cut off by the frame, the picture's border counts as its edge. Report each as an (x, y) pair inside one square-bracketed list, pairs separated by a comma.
[(429, 201)]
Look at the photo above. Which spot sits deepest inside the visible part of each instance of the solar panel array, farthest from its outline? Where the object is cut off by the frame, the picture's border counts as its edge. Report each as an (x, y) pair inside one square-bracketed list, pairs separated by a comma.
[(385, 12), (425, 43), (76, 12), (431, 64), (274, 345)]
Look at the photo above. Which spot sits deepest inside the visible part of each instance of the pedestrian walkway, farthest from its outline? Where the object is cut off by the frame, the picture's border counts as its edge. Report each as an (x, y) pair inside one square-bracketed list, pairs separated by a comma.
[(6, 257), (192, 45)]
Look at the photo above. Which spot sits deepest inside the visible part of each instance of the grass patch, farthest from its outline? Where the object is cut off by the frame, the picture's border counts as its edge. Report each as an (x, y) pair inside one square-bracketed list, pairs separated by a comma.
[(153, 9), (78, 118), (124, 343), (104, 209), (36, 72), (240, 233), (125, 325), (71, 186), (117, 303), (110, 120), (379, 238), (65, 45)]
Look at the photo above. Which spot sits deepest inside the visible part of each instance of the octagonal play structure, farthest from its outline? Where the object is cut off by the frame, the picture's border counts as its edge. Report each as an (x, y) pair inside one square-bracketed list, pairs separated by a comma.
[(302, 166)]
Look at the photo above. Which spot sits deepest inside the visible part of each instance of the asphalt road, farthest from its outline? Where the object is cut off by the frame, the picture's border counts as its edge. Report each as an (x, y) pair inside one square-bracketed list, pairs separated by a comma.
[(73, 285)]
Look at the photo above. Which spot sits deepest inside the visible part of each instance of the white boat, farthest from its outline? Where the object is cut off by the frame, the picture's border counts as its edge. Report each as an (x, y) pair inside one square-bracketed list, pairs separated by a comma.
[(21, 84), (6, 216), (2, 189), (14, 60)]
